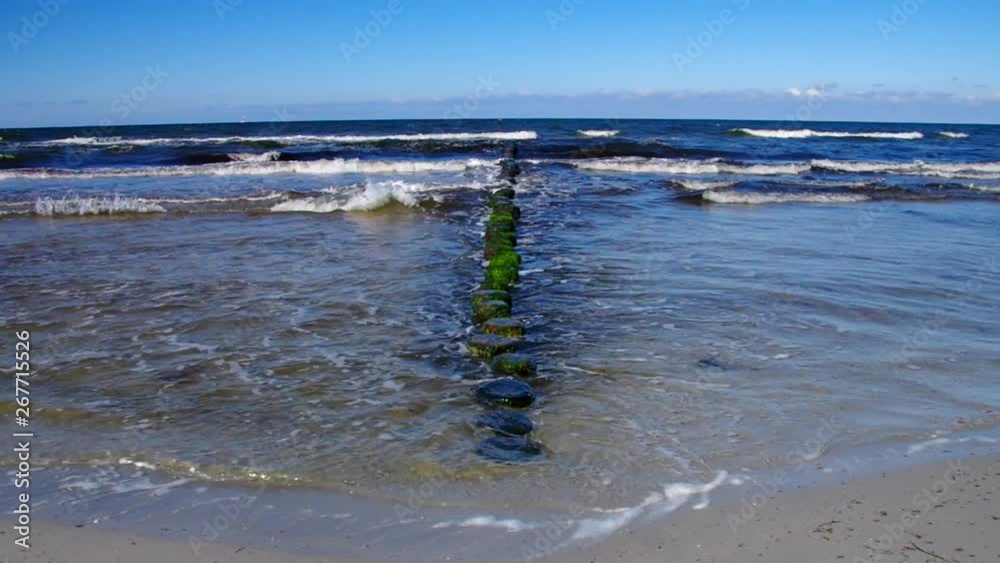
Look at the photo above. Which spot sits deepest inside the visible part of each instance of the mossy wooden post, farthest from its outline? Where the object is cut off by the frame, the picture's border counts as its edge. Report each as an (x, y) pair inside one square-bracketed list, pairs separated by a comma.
[(491, 308)]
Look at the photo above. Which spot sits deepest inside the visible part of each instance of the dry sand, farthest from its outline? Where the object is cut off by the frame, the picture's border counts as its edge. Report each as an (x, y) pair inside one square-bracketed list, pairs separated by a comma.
[(944, 512)]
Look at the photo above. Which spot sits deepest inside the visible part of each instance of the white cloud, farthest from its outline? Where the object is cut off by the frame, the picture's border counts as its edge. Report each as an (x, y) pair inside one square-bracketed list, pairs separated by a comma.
[(794, 91)]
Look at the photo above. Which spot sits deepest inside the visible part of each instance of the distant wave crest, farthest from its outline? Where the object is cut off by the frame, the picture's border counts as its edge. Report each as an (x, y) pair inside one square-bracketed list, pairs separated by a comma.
[(682, 166), (291, 139), (809, 133), (598, 132), (952, 135), (257, 167)]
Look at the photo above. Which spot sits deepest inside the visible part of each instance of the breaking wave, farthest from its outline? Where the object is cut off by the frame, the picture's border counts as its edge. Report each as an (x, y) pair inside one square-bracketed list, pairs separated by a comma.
[(951, 135), (598, 132), (254, 157), (757, 198), (374, 196), (681, 166), (809, 133), (701, 185), (916, 168), (259, 167)]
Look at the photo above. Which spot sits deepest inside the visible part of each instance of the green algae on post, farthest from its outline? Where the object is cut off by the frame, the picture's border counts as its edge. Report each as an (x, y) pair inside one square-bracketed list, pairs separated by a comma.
[(517, 365), (511, 328), (502, 220), (487, 346), (495, 248), (490, 295), (500, 277), (509, 259), (486, 310), (498, 235)]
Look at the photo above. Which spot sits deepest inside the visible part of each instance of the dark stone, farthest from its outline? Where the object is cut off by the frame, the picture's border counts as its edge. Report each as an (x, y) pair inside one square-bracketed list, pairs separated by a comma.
[(506, 422), (509, 168), (509, 449), (486, 310), (511, 328), (508, 392), (710, 363), (518, 365), (487, 346), (490, 295)]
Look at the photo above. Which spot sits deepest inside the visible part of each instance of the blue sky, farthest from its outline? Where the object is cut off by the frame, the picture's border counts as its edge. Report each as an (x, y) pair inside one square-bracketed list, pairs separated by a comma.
[(227, 60)]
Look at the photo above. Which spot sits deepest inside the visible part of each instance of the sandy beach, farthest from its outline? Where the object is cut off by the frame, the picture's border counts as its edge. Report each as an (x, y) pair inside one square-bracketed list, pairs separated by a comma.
[(945, 511)]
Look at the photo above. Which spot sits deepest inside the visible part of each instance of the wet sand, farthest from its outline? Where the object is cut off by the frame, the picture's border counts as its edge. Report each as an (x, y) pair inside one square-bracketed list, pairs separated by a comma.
[(945, 511)]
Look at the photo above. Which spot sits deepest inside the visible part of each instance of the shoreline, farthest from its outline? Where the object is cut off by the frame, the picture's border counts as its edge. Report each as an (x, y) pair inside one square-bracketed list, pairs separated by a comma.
[(942, 507)]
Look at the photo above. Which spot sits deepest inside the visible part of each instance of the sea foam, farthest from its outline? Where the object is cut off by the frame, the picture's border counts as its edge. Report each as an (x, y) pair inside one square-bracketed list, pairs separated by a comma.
[(258, 168), (291, 139), (757, 198), (809, 133), (374, 196), (598, 132), (73, 205)]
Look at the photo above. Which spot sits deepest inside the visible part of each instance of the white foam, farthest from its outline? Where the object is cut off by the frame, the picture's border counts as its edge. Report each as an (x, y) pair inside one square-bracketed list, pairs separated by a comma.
[(509, 524), (682, 166), (254, 168), (809, 133), (292, 139), (757, 198), (701, 185), (74, 205), (373, 196), (254, 157), (605, 522), (937, 442), (952, 135), (915, 168), (598, 132)]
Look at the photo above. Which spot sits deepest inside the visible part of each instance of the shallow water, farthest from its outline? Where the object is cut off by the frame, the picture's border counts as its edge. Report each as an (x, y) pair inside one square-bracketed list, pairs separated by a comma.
[(200, 327)]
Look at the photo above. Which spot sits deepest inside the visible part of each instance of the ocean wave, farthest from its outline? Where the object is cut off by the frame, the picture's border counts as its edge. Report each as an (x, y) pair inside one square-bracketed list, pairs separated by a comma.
[(701, 185), (809, 133), (254, 157), (374, 196), (757, 198), (952, 135), (681, 166), (255, 168), (598, 132), (290, 139), (986, 170), (74, 205)]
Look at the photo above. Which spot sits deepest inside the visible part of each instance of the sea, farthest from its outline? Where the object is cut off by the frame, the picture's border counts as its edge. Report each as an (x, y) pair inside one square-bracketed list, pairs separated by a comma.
[(276, 315)]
